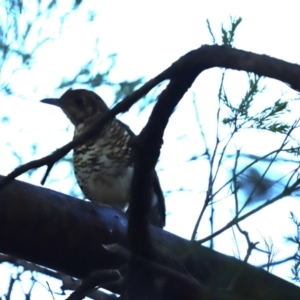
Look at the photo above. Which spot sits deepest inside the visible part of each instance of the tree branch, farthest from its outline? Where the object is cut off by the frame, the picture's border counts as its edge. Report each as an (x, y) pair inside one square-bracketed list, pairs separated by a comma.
[(69, 235), (196, 61)]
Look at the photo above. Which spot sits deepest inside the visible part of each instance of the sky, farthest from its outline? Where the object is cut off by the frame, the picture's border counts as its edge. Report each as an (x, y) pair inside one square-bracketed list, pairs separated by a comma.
[(148, 37)]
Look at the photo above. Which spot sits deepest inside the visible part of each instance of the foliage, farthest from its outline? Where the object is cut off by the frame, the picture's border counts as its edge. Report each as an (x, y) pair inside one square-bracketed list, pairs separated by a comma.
[(251, 184)]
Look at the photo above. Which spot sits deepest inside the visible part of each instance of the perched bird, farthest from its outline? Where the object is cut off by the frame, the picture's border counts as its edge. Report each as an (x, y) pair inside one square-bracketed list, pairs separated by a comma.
[(103, 165)]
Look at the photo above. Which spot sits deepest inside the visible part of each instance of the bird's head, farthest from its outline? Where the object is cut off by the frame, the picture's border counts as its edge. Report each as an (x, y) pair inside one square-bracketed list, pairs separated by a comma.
[(80, 105)]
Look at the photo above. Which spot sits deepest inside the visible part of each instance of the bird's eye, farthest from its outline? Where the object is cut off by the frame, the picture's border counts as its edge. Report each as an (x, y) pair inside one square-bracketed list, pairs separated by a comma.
[(79, 101)]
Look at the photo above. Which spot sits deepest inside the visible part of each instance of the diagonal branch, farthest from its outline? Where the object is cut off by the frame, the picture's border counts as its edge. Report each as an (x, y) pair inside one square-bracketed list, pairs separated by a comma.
[(51, 159), (195, 61)]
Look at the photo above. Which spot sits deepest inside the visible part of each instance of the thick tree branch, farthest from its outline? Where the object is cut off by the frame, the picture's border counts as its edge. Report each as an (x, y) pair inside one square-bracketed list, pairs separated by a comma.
[(69, 235), (147, 149)]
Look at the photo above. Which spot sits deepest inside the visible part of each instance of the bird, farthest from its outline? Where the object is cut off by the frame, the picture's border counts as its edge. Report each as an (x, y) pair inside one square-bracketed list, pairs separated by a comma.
[(104, 164)]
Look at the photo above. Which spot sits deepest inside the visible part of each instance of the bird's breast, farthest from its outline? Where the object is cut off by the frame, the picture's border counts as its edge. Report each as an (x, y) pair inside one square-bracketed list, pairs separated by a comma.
[(103, 172)]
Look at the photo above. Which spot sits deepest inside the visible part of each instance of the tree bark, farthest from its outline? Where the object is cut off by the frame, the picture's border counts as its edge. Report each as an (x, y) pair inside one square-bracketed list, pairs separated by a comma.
[(73, 236)]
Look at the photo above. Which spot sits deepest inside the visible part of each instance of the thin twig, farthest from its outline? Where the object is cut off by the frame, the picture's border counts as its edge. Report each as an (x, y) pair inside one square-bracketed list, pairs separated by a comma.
[(286, 192), (122, 106)]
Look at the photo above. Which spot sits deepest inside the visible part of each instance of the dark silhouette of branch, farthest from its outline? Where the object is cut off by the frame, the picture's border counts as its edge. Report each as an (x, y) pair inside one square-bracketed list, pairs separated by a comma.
[(147, 149), (196, 61), (50, 160), (98, 278), (67, 282), (72, 236)]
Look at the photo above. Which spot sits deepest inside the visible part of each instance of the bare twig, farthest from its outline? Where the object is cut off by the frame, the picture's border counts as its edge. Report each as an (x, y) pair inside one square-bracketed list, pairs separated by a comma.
[(232, 284), (94, 280), (286, 192), (50, 160)]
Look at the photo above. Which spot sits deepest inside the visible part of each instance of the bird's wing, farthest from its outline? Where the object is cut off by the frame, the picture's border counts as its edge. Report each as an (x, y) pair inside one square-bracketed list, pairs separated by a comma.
[(158, 212), (127, 128)]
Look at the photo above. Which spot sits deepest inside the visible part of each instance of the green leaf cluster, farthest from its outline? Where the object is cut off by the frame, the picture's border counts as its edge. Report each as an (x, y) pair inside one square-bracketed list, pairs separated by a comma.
[(267, 119)]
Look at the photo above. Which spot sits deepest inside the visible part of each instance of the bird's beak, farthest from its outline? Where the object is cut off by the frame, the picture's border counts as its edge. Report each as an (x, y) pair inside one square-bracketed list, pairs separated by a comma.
[(52, 101)]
